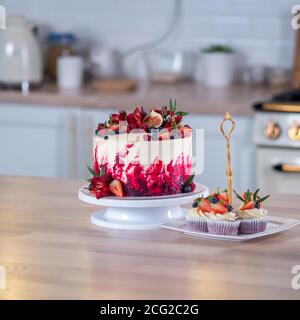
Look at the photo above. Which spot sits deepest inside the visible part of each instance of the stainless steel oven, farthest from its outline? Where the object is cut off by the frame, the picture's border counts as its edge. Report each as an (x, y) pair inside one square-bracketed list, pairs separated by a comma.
[(277, 139), (278, 170)]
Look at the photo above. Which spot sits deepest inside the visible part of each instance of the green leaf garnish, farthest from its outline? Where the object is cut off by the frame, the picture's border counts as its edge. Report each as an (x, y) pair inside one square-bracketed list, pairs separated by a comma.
[(255, 195), (174, 105), (238, 196), (103, 170), (93, 172), (248, 195), (263, 199), (209, 198), (199, 199), (181, 113), (251, 196), (171, 105), (189, 180)]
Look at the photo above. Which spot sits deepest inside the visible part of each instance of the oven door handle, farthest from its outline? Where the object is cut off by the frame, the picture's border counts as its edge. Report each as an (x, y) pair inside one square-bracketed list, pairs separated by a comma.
[(285, 167)]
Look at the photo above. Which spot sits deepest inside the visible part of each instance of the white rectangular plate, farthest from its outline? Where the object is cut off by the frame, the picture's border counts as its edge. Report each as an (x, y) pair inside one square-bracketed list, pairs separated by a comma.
[(275, 225)]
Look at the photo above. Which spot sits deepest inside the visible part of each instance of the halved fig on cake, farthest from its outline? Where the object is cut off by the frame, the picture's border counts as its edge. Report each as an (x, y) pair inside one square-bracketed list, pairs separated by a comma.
[(153, 119)]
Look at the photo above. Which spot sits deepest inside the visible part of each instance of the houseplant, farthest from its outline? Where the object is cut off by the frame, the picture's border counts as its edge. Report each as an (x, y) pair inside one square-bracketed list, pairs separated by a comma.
[(218, 65)]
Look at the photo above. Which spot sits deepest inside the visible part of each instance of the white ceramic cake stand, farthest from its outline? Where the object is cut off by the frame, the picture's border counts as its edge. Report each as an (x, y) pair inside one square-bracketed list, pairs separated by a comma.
[(139, 213)]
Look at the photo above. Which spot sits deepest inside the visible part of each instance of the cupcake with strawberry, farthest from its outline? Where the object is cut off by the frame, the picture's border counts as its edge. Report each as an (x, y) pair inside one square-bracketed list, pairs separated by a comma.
[(196, 216), (252, 215), (213, 214)]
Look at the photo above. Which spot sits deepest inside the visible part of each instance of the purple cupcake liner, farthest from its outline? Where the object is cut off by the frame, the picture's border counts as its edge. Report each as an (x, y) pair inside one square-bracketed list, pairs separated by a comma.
[(223, 227), (197, 224), (248, 226)]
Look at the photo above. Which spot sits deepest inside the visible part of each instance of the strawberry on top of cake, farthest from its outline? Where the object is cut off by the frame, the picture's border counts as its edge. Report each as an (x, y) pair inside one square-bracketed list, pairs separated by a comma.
[(143, 153)]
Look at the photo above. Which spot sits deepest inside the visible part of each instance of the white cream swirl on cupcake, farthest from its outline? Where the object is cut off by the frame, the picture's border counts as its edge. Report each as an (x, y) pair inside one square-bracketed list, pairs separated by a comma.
[(228, 216), (254, 213), (196, 213)]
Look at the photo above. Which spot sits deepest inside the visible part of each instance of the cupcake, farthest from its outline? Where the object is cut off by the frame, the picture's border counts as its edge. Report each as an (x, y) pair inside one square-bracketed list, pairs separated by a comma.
[(252, 215), (196, 216), (223, 224), (213, 214)]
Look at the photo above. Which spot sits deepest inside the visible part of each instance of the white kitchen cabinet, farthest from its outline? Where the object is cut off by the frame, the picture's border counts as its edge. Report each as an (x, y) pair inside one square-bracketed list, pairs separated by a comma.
[(242, 147), (38, 141)]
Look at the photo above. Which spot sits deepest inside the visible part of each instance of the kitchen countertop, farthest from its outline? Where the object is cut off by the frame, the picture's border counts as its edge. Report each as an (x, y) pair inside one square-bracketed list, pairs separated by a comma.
[(191, 97), (50, 250)]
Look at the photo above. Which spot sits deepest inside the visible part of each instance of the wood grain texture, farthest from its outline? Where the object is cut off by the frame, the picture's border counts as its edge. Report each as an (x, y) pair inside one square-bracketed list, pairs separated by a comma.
[(191, 97), (50, 250)]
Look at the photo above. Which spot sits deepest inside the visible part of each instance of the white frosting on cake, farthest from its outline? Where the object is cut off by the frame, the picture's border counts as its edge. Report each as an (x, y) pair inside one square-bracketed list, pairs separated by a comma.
[(132, 147)]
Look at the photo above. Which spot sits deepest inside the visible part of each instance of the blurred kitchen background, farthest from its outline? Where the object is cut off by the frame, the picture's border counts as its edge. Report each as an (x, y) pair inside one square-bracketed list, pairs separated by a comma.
[(65, 65)]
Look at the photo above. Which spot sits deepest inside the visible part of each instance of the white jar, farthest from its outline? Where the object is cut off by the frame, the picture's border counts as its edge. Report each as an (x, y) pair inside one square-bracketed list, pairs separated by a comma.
[(217, 69), (69, 72)]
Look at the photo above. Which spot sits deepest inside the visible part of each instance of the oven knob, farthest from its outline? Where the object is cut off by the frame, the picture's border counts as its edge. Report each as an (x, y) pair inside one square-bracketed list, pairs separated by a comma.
[(294, 132), (272, 130)]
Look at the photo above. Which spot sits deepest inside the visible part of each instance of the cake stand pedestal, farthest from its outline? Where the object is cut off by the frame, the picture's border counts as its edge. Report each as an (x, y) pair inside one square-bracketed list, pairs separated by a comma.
[(139, 213)]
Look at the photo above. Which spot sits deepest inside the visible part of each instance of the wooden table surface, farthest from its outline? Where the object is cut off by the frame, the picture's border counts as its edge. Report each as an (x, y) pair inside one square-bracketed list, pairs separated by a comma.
[(50, 250), (191, 97)]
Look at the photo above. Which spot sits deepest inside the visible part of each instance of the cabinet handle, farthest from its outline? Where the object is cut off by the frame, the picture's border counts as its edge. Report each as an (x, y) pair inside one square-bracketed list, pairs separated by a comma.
[(284, 167)]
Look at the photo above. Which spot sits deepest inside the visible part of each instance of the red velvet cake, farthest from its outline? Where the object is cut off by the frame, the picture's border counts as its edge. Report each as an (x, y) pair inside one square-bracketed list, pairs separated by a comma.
[(142, 154)]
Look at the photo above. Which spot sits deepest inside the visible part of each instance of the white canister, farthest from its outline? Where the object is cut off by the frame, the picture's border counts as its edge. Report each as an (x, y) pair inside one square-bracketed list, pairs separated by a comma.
[(69, 72), (217, 69)]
